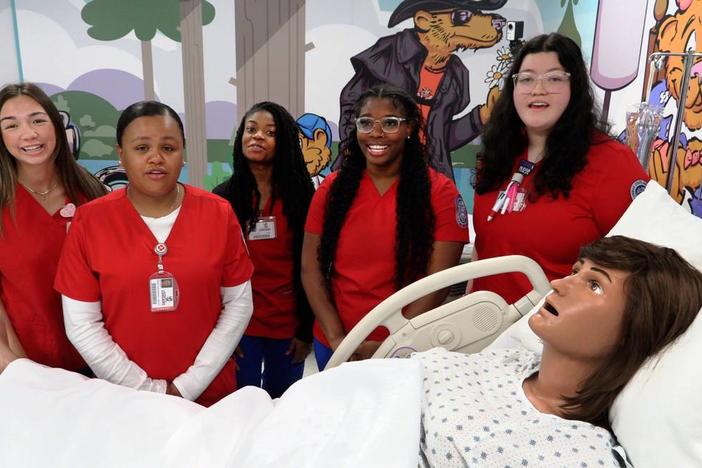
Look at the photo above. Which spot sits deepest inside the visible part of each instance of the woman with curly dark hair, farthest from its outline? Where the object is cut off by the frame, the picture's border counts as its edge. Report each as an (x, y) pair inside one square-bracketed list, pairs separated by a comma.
[(270, 192), (383, 220), (549, 179)]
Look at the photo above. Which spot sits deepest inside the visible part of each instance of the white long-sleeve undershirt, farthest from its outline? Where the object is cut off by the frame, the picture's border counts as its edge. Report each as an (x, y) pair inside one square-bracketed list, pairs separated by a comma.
[(85, 328)]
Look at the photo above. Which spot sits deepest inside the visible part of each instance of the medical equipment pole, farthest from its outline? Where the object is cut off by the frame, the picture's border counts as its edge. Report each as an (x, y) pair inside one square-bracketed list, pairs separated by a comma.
[(655, 59)]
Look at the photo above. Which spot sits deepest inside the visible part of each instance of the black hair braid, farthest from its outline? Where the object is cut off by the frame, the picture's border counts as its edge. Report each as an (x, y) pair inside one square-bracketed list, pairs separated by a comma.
[(414, 235), (341, 195), (290, 183), (415, 217)]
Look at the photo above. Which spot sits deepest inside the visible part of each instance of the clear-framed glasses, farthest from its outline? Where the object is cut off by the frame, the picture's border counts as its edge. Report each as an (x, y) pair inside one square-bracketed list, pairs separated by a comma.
[(553, 82), (387, 124)]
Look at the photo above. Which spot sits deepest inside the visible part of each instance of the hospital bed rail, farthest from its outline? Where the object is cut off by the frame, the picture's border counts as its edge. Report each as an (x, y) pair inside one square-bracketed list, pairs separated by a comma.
[(466, 324)]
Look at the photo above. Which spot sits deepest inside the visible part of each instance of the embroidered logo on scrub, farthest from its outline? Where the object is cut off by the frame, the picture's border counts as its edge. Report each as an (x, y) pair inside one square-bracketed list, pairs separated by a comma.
[(461, 213), (637, 187)]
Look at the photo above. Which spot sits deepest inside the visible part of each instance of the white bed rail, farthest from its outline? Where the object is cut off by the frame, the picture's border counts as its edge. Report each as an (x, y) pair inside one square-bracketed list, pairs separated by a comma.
[(488, 313)]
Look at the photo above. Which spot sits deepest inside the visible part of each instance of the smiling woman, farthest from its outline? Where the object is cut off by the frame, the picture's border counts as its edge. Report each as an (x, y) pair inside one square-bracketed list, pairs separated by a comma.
[(382, 221), (152, 300), (40, 186)]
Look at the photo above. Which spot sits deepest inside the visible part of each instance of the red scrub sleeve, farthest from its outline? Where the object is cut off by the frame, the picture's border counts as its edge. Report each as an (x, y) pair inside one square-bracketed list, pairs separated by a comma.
[(451, 216), (74, 276), (618, 179)]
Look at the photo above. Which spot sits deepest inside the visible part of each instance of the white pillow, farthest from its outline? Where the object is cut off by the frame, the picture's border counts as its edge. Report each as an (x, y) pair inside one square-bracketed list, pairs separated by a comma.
[(655, 217), (658, 415)]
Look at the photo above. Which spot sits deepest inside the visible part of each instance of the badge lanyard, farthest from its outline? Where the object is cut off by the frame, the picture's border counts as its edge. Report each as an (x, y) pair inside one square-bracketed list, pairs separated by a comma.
[(163, 287), (265, 227), (513, 198)]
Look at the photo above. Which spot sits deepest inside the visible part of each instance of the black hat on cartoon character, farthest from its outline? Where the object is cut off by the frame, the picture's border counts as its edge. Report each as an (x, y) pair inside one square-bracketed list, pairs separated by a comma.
[(408, 8)]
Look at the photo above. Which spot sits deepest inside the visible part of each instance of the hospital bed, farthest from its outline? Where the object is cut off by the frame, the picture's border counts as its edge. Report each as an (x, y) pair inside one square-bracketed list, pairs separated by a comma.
[(657, 418), (466, 324), (361, 413)]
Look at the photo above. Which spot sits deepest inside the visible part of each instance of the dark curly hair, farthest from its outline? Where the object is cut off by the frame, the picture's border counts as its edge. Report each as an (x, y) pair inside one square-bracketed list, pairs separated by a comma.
[(567, 145), (291, 183), (414, 235)]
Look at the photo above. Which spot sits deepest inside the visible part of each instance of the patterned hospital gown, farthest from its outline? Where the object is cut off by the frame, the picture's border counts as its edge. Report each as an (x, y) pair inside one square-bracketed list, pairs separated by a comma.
[(475, 413)]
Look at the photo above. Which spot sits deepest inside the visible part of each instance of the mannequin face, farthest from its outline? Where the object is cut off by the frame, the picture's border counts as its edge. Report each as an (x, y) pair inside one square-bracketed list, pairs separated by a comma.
[(583, 316)]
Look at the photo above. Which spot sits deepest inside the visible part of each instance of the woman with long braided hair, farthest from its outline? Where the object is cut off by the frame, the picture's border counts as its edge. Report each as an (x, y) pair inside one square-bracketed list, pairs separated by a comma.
[(384, 220), (270, 192)]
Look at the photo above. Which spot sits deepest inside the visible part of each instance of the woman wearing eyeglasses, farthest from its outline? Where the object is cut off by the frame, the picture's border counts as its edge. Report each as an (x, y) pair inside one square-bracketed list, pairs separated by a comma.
[(382, 221), (550, 179)]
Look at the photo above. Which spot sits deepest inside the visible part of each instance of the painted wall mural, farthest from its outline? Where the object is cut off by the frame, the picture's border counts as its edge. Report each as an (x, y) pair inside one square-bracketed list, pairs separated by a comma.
[(213, 59)]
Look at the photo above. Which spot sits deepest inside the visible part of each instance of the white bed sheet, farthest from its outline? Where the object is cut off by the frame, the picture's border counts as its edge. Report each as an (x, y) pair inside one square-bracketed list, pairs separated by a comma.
[(365, 414)]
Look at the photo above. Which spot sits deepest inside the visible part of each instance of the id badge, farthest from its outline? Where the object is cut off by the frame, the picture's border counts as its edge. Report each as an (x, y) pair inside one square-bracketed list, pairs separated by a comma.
[(520, 200), (264, 229), (164, 293)]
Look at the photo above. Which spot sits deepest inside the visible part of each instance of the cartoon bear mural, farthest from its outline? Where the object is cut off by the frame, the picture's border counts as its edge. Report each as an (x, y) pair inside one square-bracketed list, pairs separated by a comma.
[(422, 60), (679, 32), (316, 143)]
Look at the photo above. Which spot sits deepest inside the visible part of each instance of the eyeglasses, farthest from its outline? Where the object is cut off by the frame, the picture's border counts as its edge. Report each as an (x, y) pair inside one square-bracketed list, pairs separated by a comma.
[(553, 82), (387, 124), (458, 17)]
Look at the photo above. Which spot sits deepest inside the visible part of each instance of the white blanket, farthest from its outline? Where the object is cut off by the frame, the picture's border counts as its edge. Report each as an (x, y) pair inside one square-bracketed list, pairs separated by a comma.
[(359, 414)]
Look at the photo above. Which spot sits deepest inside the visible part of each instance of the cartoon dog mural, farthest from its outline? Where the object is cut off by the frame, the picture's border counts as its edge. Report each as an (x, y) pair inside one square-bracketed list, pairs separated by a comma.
[(315, 141), (679, 32), (422, 61)]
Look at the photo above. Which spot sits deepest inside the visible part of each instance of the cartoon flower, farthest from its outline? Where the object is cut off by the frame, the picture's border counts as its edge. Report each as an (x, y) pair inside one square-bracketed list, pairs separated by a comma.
[(504, 57), (495, 77)]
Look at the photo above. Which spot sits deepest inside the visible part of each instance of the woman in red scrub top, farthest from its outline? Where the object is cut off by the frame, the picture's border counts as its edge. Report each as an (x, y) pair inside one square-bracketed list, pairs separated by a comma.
[(271, 191), (155, 277), (384, 220), (40, 186), (549, 180)]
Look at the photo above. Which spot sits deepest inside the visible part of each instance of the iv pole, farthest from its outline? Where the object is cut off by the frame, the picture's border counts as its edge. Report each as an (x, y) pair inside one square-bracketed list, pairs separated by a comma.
[(655, 64)]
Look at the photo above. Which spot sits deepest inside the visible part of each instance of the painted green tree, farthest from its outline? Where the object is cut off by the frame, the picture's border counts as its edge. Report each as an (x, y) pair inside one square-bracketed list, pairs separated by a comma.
[(110, 20), (568, 26), (179, 20)]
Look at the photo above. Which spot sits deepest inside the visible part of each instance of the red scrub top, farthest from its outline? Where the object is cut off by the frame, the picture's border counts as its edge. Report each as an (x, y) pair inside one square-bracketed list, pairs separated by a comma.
[(273, 281), (364, 265), (109, 257), (552, 231), (30, 245)]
